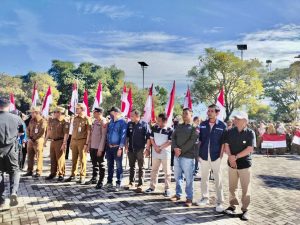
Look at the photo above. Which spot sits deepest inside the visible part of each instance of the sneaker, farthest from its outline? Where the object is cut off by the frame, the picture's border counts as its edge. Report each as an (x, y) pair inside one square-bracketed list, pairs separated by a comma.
[(13, 200), (99, 185), (175, 198), (188, 202), (230, 210), (70, 179), (219, 208), (60, 179), (36, 175), (28, 174), (129, 186), (167, 193), (108, 185), (118, 187), (91, 181), (202, 202), (2, 202), (50, 177), (82, 181), (149, 191), (139, 189), (245, 216)]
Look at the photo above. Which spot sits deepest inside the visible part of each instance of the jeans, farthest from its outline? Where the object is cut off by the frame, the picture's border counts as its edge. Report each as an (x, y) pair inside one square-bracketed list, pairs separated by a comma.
[(9, 164), (98, 164), (111, 156), (184, 166), (133, 157)]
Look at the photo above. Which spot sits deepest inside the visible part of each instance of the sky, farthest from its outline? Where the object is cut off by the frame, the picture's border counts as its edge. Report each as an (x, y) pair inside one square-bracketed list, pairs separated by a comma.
[(168, 35)]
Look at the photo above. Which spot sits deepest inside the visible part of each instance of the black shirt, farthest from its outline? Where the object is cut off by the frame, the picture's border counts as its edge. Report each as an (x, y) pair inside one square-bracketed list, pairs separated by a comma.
[(238, 141), (10, 126), (137, 134)]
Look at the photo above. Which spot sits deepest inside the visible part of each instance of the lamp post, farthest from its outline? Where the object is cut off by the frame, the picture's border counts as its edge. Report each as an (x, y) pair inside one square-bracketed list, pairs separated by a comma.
[(143, 65), (242, 48), (269, 62)]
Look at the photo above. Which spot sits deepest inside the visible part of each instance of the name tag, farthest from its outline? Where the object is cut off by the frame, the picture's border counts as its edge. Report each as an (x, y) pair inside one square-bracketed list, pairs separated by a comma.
[(36, 130), (79, 129), (219, 129), (244, 142), (202, 126)]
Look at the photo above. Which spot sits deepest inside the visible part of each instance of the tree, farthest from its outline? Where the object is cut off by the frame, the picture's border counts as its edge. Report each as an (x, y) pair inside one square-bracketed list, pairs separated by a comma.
[(260, 112), (241, 79), (282, 86)]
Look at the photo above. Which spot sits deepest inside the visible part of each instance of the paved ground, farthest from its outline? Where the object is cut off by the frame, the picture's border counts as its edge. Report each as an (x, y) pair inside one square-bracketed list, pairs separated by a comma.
[(275, 200)]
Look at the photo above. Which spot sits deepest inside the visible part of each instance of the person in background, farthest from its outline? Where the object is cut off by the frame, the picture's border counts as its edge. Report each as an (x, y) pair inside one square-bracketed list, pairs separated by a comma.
[(229, 124), (161, 139), (196, 123), (116, 140), (184, 142), (239, 143)]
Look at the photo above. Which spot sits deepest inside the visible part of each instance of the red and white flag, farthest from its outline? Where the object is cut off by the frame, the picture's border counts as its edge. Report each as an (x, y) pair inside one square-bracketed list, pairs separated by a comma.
[(221, 104), (12, 104), (129, 97), (86, 102), (273, 141), (296, 138), (188, 100), (125, 105), (149, 113), (47, 102), (170, 106), (74, 98), (35, 96), (98, 97)]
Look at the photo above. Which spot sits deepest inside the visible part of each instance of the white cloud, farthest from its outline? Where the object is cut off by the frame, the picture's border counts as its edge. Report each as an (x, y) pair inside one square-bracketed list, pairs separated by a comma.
[(213, 30)]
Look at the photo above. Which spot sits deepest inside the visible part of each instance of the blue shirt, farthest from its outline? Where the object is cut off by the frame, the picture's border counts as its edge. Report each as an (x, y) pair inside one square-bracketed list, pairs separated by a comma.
[(23, 137), (211, 140), (116, 134)]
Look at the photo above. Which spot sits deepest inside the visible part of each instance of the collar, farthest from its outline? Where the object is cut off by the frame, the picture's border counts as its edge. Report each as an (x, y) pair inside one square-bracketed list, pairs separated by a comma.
[(241, 130), (207, 121)]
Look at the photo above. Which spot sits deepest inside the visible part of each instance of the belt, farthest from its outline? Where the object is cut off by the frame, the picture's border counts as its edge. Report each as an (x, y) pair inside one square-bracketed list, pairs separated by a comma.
[(113, 146), (57, 139)]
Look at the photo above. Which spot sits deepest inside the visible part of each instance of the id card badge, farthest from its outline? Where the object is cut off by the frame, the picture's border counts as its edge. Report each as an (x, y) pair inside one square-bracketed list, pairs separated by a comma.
[(36, 130), (79, 129)]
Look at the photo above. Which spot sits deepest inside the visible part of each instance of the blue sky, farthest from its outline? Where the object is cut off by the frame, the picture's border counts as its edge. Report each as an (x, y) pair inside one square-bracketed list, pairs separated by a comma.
[(168, 34)]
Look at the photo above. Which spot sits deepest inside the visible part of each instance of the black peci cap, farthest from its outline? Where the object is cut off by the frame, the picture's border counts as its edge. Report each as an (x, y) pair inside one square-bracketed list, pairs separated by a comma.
[(115, 109), (98, 109)]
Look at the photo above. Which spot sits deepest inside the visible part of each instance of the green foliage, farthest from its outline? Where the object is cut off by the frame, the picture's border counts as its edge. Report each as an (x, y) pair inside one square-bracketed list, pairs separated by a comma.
[(260, 112), (240, 79)]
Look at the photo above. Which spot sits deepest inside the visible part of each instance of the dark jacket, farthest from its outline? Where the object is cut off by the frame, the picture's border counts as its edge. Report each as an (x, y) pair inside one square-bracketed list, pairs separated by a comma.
[(137, 134)]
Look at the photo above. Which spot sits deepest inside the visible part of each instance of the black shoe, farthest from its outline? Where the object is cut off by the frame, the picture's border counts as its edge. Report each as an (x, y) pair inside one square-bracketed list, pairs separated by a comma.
[(230, 211), (60, 179), (36, 175), (2, 202), (245, 216), (70, 179), (91, 181), (28, 174), (99, 185), (13, 200), (50, 177)]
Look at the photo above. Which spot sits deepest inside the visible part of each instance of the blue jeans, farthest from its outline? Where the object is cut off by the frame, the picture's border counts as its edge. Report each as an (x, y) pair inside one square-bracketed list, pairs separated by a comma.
[(111, 156), (184, 166)]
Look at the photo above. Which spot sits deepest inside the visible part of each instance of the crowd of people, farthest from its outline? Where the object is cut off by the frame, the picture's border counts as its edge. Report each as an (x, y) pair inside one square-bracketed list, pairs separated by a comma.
[(183, 147)]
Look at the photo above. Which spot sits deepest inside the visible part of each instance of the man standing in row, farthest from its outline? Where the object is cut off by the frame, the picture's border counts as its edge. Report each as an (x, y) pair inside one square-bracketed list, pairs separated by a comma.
[(116, 140), (58, 132), (36, 136), (184, 142), (96, 147), (137, 138), (9, 125), (79, 143)]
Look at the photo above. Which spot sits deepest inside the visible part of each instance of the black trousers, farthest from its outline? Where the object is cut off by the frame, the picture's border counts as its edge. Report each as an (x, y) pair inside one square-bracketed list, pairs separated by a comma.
[(22, 155), (68, 147), (9, 164), (134, 156), (98, 164)]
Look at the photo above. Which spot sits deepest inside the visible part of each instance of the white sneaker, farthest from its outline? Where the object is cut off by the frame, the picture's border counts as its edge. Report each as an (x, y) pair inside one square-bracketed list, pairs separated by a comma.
[(202, 202), (219, 208)]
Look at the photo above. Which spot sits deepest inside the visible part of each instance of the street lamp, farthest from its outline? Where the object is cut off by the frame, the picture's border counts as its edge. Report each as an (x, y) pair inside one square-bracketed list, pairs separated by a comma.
[(242, 48), (143, 65), (269, 62)]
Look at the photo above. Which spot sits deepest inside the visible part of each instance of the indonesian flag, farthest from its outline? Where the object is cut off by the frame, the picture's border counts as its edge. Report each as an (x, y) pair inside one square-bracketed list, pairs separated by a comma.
[(47, 102), (98, 97), (188, 100), (74, 99), (221, 104), (149, 114), (35, 96), (296, 138), (125, 105), (12, 105), (273, 141), (86, 102), (170, 106), (129, 97)]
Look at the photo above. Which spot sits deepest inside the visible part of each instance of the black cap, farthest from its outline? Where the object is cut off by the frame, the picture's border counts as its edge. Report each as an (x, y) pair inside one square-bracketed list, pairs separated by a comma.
[(98, 109), (4, 102), (115, 109)]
